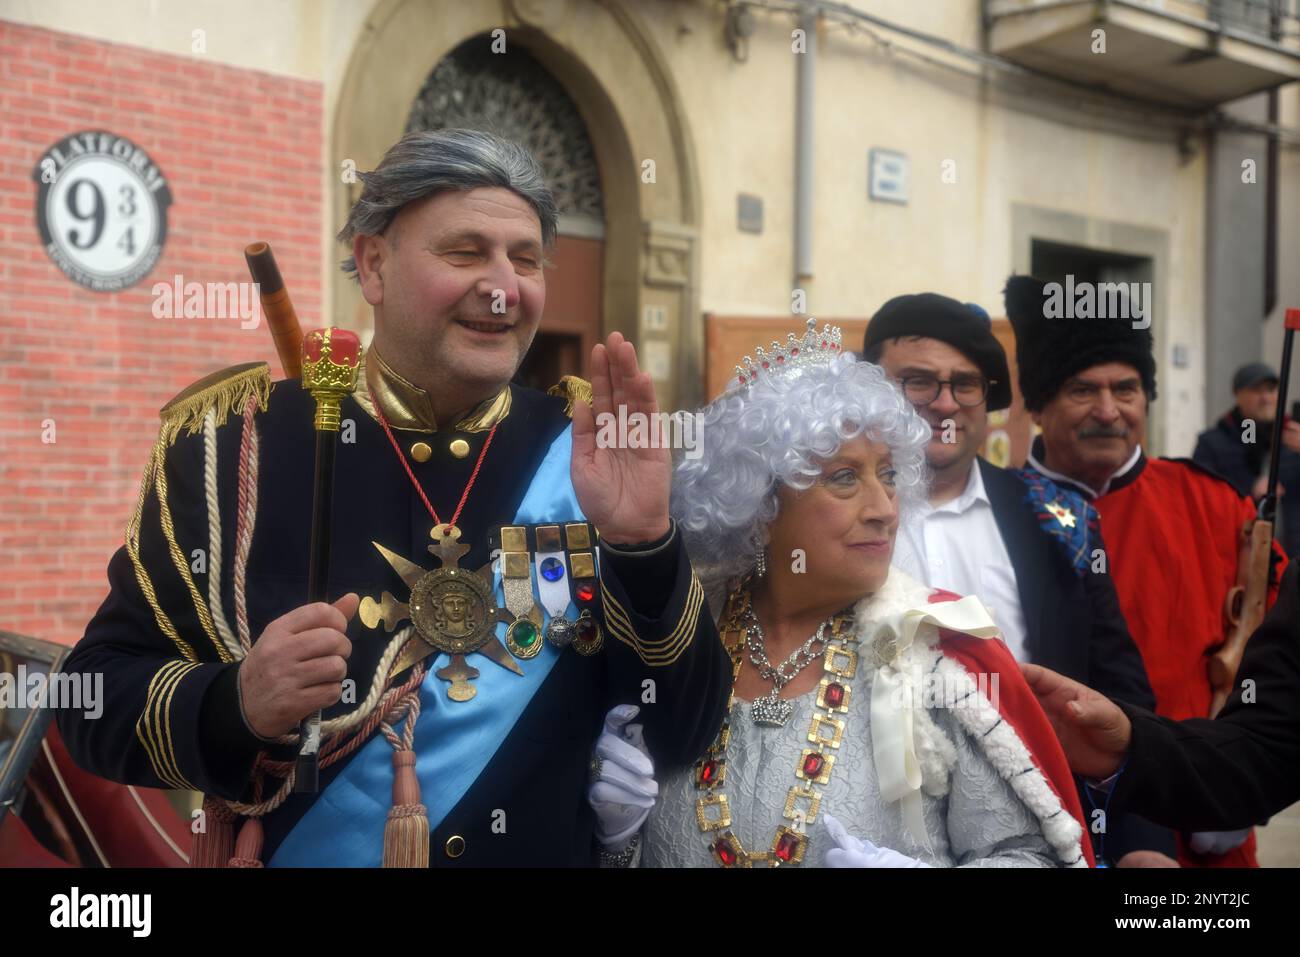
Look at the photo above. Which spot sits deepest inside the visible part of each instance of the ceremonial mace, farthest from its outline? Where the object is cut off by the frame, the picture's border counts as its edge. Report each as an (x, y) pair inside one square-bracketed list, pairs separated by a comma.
[(330, 358), (1247, 600), (327, 361)]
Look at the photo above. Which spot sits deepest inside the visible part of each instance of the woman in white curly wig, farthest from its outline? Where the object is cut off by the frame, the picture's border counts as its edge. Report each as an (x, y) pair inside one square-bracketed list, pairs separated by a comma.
[(873, 723)]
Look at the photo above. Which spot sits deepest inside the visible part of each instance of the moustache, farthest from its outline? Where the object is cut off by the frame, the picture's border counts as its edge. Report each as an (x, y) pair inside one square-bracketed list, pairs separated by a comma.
[(1103, 432)]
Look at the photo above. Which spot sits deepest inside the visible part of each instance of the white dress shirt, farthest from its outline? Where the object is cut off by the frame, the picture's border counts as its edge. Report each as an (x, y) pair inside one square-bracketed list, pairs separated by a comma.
[(957, 546)]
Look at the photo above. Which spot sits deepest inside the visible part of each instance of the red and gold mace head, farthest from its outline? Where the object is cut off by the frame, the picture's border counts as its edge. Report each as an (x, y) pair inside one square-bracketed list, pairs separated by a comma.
[(330, 359)]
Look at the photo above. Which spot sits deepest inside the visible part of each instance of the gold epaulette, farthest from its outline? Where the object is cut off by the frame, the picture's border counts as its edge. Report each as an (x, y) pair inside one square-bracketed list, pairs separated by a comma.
[(214, 398), (224, 392), (572, 389)]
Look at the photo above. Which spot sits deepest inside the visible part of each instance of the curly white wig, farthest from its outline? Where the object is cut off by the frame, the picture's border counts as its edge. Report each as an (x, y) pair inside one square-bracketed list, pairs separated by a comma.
[(780, 430)]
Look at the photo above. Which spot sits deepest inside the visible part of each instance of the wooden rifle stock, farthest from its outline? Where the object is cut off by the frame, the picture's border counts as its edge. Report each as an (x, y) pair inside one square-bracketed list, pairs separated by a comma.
[(1245, 605), (1244, 609)]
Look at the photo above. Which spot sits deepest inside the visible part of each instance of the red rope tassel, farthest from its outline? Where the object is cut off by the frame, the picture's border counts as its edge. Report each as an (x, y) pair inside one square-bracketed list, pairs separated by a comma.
[(213, 845), (248, 849), (406, 833)]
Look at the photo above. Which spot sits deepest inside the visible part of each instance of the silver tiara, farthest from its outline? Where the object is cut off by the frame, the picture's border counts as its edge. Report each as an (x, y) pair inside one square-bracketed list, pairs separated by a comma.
[(814, 349)]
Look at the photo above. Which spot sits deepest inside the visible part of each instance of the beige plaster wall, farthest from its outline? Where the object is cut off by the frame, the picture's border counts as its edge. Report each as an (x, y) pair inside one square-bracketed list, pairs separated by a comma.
[(739, 120)]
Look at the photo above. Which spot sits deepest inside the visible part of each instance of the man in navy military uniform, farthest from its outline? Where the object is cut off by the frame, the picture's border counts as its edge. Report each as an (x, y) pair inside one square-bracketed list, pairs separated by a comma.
[(207, 666)]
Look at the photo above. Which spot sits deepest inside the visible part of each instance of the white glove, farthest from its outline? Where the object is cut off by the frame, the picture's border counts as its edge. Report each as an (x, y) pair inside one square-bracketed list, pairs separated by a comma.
[(625, 790), (1218, 842), (849, 851)]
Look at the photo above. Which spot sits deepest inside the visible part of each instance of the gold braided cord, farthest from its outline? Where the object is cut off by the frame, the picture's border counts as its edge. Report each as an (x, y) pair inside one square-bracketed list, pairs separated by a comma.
[(156, 718), (149, 719), (222, 392), (183, 567), (212, 499), (572, 389), (147, 743), (666, 650), (141, 574), (347, 732), (164, 717), (219, 393)]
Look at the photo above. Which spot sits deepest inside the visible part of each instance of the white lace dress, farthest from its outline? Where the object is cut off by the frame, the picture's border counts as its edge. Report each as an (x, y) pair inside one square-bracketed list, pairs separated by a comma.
[(973, 815)]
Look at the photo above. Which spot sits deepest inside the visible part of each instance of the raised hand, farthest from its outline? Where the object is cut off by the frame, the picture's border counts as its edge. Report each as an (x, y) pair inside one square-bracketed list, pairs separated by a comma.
[(623, 491), (1093, 731)]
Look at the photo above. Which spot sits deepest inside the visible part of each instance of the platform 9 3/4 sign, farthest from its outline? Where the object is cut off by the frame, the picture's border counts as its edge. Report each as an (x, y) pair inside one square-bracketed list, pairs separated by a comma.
[(101, 208)]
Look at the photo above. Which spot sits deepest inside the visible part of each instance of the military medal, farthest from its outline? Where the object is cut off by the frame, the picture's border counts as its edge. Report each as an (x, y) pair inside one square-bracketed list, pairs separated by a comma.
[(587, 635), (524, 634), (452, 608), (553, 585), (1061, 514)]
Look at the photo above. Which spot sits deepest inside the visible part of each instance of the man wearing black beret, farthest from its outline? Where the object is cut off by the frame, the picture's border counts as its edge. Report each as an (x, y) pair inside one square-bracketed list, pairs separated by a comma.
[(1017, 541)]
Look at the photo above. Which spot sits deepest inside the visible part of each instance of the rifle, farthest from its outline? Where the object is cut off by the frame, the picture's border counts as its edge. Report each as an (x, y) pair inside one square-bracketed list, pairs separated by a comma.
[(1244, 606)]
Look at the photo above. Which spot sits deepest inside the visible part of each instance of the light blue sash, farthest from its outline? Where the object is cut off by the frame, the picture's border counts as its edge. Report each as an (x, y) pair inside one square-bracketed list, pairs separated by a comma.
[(454, 740)]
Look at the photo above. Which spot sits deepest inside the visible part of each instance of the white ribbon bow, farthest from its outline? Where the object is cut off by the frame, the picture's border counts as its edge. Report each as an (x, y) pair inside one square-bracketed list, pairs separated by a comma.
[(893, 698)]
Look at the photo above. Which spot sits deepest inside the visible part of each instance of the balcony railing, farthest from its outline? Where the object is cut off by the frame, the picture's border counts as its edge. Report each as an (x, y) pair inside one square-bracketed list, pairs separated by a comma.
[(1189, 53)]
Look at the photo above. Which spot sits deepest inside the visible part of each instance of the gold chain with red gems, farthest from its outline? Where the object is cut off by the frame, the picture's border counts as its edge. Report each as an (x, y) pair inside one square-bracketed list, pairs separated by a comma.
[(813, 771)]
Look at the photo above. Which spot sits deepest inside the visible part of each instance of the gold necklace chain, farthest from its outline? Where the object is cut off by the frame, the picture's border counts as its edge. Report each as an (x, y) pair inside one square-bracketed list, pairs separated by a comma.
[(813, 770)]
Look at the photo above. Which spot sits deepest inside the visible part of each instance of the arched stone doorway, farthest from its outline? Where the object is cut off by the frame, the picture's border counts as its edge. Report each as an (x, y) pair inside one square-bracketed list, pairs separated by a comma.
[(611, 72)]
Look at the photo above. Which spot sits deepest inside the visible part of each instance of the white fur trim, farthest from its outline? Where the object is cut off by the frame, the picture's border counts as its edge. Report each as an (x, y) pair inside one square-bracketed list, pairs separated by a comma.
[(994, 736), (1002, 745), (935, 752)]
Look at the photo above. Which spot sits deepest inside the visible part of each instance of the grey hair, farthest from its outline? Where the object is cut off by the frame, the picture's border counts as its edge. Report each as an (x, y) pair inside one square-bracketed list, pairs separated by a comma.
[(779, 431), (430, 161)]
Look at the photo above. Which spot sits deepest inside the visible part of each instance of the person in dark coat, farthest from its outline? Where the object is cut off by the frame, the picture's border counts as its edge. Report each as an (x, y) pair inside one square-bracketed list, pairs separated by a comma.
[(1237, 447), (1196, 774)]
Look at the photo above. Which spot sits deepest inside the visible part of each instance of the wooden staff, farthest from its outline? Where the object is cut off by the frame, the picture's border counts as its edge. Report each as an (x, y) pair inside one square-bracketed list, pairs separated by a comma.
[(276, 306)]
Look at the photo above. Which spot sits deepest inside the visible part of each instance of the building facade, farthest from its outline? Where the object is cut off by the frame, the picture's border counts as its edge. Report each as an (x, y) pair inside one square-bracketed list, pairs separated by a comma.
[(724, 169)]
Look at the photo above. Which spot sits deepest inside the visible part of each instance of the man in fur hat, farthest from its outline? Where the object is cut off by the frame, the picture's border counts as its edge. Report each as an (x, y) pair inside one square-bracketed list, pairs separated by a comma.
[(1172, 528)]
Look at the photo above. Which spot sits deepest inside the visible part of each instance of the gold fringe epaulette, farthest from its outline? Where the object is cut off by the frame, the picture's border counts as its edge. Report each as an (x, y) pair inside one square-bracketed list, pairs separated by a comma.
[(213, 399), (224, 392), (572, 389)]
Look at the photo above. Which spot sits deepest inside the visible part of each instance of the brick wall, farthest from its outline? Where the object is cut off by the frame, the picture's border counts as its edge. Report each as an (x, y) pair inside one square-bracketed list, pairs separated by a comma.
[(241, 153)]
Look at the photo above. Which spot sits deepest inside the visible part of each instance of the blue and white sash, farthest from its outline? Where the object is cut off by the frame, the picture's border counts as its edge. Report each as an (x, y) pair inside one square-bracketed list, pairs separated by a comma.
[(454, 740)]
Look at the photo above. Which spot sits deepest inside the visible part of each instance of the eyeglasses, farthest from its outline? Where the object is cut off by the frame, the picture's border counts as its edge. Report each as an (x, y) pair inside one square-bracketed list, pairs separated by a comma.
[(967, 390)]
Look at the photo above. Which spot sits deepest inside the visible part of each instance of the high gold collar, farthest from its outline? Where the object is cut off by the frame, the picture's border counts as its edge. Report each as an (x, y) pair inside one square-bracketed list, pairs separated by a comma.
[(407, 406)]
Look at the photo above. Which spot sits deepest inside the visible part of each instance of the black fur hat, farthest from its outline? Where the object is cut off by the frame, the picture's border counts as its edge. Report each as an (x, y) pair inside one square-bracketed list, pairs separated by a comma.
[(1051, 349)]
